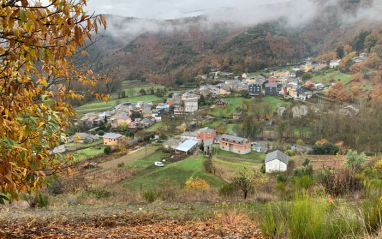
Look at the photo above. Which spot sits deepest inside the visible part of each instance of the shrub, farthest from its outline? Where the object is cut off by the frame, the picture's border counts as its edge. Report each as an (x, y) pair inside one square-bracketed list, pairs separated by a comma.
[(378, 166), (72, 200), (227, 190), (303, 171), (101, 133), (281, 178), (262, 169), (35, 200), (150, 196), (341, 182), (289, 152), (55, 187), (325, 149), (300, 142), (107, 150), (303, 181), (120, 165), (197, 184), (98, 193)]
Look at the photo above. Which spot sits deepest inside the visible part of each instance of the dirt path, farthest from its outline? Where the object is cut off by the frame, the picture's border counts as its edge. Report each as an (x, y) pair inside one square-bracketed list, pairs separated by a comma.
[(131, 156)]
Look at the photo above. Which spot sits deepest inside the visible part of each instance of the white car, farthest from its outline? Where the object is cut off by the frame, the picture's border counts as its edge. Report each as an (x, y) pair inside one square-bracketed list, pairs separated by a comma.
[(159, 164)]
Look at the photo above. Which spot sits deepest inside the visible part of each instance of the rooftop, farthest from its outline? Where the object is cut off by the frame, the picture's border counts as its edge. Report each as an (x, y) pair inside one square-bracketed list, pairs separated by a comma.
[(113, 136), (187, 145), (277, 155)]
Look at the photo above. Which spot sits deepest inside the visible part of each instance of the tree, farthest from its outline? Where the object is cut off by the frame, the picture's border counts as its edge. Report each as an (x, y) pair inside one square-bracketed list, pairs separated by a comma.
[(340, 52), (354, 160), (37, 72), (247, 180)]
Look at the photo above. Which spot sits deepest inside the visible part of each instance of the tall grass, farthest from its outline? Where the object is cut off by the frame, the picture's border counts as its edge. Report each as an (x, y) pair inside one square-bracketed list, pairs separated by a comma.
[(307, 217)]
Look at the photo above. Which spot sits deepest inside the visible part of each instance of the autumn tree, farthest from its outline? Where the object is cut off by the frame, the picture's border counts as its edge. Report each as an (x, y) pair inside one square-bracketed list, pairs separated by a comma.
[(339, 92), (38, 41)]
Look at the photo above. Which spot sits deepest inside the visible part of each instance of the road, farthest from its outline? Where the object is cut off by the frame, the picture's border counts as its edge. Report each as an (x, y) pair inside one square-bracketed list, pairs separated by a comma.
[(131, 156)]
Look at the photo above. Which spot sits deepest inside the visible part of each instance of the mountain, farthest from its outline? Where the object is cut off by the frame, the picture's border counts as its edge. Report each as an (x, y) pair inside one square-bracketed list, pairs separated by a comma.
[(169, 51)]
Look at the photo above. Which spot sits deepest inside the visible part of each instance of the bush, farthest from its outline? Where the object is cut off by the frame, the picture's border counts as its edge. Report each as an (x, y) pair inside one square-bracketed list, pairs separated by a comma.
[(150, 196), (302, 171), (197, 184), (341, 182), (120, 165), (107, 150), (325, 149), (304, 181), (289, 152), (55, 187), (101, 133), (98, 193), (35, 200), (227, 190), (281, 178), (262, 169)]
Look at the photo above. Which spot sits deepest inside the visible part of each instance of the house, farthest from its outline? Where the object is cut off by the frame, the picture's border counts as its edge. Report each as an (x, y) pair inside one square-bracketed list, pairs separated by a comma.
[(113, 139), (221, 102), (293, 74), (164, 106), (187, 147), (84, 138), (254, 89), (206, 134), (158, 113), (172, 143), (208, 146), (147, 112), (234, 144), (256, 147), (334, 63), (189, 136), (145, 123), (190, 105), (117, 120), (271, 89), (276, 161)]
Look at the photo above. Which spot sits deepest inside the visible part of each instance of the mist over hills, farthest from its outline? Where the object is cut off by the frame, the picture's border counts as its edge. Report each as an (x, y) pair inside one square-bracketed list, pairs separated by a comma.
[(246, 38)]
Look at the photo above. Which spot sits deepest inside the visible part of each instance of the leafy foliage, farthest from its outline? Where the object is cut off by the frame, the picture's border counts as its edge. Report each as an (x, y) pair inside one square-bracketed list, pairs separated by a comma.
[(36, 72), (197, 184)]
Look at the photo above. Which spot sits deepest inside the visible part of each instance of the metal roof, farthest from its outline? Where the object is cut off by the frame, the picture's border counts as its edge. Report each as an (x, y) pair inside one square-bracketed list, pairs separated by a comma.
[(277, 155), (233, 138), (187, 145), (113, 136)]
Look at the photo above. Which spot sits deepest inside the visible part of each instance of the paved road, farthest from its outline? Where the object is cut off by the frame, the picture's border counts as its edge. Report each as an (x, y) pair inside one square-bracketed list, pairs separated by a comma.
[(131, 156)]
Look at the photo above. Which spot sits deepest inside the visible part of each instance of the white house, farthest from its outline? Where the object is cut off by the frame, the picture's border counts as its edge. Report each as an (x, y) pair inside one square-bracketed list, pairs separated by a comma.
[(276, 161), (334, 63)]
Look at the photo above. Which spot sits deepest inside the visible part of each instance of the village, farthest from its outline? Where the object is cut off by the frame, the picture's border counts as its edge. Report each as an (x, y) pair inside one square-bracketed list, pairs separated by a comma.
[(192, 128)]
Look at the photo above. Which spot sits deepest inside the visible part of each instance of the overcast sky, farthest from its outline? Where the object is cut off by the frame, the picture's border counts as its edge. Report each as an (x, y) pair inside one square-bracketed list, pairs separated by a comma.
[(167, 9)]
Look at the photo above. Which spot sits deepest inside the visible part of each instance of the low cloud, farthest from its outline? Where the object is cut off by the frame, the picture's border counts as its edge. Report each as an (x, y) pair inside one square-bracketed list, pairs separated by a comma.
[(239, 13)]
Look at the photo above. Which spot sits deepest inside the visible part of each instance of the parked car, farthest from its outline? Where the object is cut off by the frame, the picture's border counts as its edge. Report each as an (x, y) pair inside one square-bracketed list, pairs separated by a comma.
[(159, 164)]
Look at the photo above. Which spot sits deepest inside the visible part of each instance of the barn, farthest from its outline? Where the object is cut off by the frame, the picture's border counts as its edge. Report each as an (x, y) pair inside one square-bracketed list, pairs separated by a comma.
[(276, 161)]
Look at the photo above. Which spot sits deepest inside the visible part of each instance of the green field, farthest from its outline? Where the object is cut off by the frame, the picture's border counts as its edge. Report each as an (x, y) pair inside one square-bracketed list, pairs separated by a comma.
[(147, 161), (227, 111), (252, 156), (175, 173), (73, 144), (235, 166), (335, 75), (156, 127), (230, 128), (84, 154), (101, 105)]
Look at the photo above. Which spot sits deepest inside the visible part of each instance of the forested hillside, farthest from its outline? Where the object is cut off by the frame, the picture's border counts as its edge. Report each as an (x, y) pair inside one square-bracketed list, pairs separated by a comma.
[(177, 50)]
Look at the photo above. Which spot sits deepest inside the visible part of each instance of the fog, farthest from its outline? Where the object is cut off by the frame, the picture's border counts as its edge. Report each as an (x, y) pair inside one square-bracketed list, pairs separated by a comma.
[(150, 15)]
